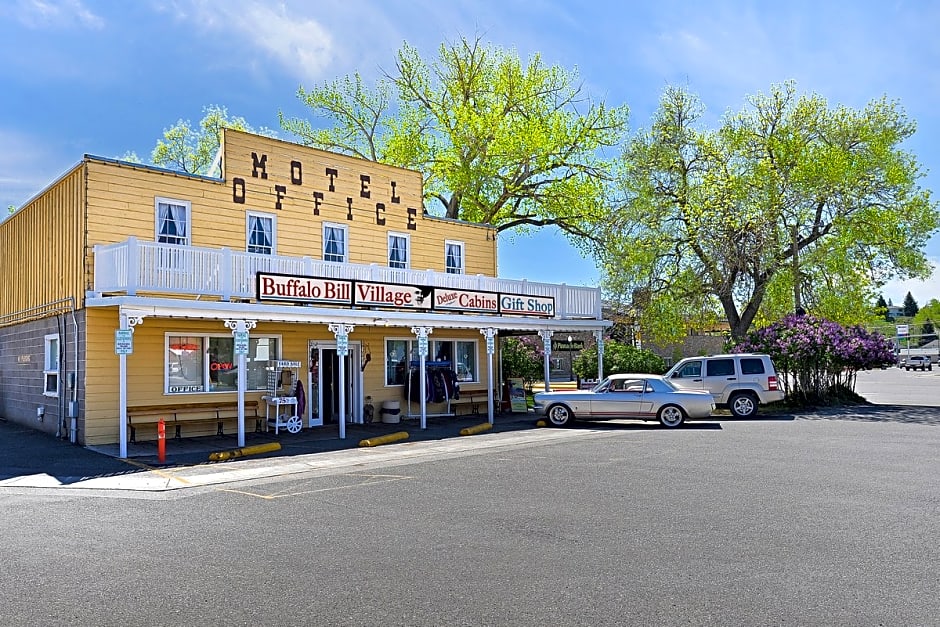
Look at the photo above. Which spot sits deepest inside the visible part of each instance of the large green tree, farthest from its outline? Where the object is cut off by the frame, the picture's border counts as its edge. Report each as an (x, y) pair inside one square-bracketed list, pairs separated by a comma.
[(788, 204), (193, 149), (500, 142)]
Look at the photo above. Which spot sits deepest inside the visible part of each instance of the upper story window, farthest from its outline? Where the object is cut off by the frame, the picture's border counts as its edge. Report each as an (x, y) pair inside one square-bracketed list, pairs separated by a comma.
[(173, 221), (399, 250), (261, 233), (453, 261), (50, 367), (334, 242)]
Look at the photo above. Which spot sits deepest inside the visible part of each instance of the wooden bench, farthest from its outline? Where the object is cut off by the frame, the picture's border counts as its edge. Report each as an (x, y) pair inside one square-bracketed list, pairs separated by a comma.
[(190, 413), (471, 401)]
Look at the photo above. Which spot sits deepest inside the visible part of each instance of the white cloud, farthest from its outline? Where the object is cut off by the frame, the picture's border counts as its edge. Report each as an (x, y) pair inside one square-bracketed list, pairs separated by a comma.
[(923, 291), (299, 43), (39, 14)]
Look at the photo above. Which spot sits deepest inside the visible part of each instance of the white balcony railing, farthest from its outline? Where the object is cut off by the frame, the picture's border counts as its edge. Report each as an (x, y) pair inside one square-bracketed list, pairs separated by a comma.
[(135, 266)]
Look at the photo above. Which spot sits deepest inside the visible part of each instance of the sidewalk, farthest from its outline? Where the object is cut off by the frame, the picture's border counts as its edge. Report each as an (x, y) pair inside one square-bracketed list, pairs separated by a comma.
[(29, 458)]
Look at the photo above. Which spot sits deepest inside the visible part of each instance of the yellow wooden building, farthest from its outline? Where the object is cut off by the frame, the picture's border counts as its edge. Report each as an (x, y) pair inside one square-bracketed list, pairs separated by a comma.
[(295, 276)]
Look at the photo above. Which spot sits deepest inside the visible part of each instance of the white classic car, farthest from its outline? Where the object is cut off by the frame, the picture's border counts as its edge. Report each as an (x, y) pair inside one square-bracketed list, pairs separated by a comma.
[(643, 396)]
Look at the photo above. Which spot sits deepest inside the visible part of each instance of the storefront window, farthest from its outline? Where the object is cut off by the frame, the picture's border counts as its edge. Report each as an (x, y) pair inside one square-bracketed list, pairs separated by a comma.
[(466, 361), (396, 361), (185, 371), (188, 371), (461, 354)]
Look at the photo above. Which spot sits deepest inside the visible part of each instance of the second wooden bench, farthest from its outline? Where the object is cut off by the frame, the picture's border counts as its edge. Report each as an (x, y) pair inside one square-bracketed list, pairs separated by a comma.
[(191, 413)]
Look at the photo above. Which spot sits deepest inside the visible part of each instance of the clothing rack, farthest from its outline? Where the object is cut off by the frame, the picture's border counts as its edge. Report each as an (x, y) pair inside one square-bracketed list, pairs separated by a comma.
[(439, 366)]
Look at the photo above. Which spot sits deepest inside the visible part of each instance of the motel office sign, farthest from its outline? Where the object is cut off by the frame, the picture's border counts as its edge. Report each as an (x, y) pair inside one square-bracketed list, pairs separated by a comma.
[(297, 289)]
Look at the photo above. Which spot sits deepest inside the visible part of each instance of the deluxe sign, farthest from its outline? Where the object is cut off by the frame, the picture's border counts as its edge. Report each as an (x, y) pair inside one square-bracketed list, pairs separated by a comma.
[(463, 300), (303, 289)]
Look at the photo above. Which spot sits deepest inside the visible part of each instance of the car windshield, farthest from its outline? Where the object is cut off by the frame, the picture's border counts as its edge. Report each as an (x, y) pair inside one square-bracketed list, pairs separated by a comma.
[(655, 383)]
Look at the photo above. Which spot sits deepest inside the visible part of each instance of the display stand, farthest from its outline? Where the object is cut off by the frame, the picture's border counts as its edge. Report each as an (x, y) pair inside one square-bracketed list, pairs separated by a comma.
[(430, 367), (281, 397)]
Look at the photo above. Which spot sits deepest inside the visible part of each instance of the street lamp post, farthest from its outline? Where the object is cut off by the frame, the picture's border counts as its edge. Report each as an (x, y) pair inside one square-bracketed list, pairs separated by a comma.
[(570, 364)]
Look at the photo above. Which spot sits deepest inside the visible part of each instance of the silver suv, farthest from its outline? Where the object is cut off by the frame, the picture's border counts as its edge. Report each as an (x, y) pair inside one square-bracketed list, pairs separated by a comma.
[(739, 382), (917, 362)]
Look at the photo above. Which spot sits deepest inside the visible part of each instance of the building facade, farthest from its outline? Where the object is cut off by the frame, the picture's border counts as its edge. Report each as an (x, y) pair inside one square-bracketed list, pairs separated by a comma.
[(129, 286)]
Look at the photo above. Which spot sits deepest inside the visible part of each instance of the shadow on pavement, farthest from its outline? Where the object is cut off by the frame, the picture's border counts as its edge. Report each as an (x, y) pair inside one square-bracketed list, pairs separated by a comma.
[(907, 414), (27, 452)]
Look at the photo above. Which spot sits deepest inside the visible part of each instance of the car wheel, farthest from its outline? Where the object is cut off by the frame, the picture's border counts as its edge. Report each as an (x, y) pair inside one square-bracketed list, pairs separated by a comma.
[(559, 416), (742, 405), (670, 416)]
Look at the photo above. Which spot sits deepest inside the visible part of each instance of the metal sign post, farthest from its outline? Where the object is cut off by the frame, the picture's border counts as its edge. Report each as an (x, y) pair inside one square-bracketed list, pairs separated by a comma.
[(490, 335), (423, 333), (240, 330), (341, 332)]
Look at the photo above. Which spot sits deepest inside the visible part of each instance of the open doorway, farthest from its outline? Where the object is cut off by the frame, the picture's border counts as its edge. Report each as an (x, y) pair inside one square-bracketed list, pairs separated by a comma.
[(324, 378)]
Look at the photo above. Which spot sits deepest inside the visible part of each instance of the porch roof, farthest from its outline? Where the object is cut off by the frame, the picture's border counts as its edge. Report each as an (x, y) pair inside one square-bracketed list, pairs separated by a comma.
[(155, 307)]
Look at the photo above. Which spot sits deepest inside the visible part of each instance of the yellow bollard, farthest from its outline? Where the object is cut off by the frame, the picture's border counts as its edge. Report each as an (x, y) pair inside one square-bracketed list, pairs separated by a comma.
[(385, 439), (476, 429), (221, 456)]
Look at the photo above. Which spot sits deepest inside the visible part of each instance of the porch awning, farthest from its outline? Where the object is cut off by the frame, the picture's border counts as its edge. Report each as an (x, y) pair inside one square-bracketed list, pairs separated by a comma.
[(154, 307)]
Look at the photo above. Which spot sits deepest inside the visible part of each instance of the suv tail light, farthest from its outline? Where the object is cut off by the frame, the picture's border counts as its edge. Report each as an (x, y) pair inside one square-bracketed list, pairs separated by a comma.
[(772, 383)]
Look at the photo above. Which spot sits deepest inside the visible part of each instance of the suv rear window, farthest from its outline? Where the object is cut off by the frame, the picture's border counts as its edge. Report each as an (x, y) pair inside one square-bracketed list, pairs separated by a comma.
[(752, 365), (719, 367)]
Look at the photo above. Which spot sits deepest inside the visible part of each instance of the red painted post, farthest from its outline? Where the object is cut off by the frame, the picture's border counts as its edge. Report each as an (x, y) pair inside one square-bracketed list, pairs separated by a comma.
[(161, 441)]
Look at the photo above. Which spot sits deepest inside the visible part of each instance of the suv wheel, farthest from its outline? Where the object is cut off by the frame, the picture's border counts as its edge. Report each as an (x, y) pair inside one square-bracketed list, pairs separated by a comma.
[(742, 405)]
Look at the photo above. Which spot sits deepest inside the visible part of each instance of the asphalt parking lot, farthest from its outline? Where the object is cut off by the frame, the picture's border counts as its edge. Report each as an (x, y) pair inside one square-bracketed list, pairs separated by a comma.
[(896, 386), (33, 459)]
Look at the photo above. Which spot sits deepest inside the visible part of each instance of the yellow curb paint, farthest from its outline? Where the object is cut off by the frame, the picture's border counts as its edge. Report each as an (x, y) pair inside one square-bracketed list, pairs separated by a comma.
[(476, 429), (385, 439), (221, 456)]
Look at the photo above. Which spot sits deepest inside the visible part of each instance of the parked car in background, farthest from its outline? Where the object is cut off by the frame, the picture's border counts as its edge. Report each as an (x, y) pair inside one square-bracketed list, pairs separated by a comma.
[(643, 396), (917, 362), (741, 381)]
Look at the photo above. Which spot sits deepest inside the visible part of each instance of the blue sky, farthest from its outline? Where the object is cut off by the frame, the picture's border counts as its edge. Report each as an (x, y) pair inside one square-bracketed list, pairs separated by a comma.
[(108, 76)]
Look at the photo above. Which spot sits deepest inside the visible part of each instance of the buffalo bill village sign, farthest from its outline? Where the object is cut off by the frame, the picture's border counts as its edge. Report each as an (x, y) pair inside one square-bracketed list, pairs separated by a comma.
[(349, 293)]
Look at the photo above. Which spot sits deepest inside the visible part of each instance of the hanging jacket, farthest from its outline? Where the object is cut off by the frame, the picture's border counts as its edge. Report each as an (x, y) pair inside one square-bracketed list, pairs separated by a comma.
[(301, 398)]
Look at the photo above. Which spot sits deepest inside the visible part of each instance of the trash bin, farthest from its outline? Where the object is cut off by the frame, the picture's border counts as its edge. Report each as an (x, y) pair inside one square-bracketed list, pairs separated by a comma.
[(391, 412)]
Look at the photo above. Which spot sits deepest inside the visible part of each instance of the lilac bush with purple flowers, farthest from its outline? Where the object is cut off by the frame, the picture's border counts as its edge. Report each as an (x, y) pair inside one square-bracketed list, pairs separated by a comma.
[(817, 360)]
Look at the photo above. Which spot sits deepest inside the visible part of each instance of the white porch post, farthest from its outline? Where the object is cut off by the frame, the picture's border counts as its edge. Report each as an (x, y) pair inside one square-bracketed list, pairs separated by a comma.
[(342, 331), (490, 334), (423, 333), (599, 335), (547, 345), (127, 323), (240, 329)]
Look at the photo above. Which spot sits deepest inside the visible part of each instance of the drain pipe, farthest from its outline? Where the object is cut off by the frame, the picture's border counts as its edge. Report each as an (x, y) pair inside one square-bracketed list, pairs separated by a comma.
[(73, 382)]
